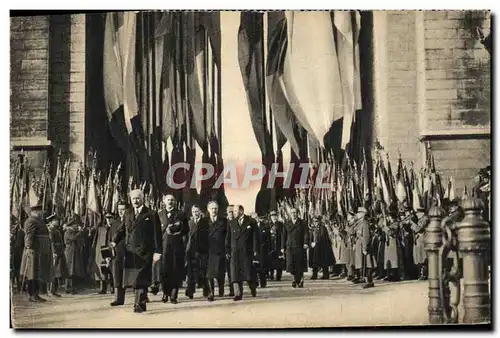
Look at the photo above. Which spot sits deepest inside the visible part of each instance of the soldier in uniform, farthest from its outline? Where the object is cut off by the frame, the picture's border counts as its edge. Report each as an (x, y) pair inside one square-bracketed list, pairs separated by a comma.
[(364, 261), (392, 246), (352, 223), (320, 252), (242, 245), (216, 268), (36, 263), (175, 228), (277, 259), (142, 233), (295, 242), (379, 249), (74, 253), (407, 241), (59, 269), (197, 253), (16, 251), (118, 262), (419, 256), (264, 249)]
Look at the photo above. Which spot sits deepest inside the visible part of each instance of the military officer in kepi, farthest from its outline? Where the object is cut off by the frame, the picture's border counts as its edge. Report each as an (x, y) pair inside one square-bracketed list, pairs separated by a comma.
[(295, 242), (142, 233), (59, 269)]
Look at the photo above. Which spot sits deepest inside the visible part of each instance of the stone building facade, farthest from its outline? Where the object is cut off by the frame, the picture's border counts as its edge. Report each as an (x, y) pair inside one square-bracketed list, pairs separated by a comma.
[(430, 88)]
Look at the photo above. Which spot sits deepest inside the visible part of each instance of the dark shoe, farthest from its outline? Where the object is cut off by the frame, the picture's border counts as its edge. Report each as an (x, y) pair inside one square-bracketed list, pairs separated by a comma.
[(231, 294), (115, 303), (32, 299), (221, 293), (381, 277), (143, 306), (138, 309), (237, 298), (342, 275), (210, 298), (350, 278), (294, 284), (387, 279), (356, 281), (173, 301), (314, 277), (102, 292), (154, 290), (325, 277), (55, 294), (40, 299), (253, 292), (164, 299), (368, 285), (146, 300)]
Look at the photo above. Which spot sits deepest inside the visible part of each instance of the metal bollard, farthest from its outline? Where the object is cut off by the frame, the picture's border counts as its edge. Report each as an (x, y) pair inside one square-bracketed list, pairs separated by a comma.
[(433, 239), (473, 235)]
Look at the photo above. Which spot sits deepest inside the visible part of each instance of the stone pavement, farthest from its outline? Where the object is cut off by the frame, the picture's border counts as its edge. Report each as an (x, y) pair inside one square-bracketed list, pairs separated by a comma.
[(321, 303)]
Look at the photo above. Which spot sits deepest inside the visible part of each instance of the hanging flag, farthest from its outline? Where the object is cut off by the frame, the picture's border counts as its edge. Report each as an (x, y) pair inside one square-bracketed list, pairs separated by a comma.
[(282, 112)]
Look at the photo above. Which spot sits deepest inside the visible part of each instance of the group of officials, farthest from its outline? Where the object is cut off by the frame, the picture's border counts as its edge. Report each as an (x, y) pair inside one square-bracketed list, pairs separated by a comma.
[(146, 250)]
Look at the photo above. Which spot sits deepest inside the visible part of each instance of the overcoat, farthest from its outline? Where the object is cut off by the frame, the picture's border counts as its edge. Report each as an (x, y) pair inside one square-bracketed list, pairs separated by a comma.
[(118, 262), (264, 246), (36, 264), (16, 247), (74, 252), (59, 268), (242, 242), (321, 255), (101, 237), (142, 235), (392, 246), (197, 247), (363, 242), (419, 255), (295, 235), (217, 248), (175, 228), (275, 246)]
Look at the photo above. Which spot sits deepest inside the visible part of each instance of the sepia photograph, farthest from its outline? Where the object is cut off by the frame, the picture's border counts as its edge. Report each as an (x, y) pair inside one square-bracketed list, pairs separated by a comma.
[(250, 169)]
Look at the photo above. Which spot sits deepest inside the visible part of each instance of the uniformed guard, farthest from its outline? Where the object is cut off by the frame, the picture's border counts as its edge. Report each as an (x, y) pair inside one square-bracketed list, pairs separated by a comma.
[(364, 261), (59, 268), (392, 246), (295, 242), (73, 252), (407, 241), (419, 255), (320, 251), (277, 258)]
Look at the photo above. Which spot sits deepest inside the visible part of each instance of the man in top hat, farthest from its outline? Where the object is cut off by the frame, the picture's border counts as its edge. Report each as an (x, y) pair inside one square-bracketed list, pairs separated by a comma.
[(216, 268), (175, 228), (294, 244), (419, 255), (364, 261), (59, 269), (16, 251), (242, 245), (36, 263), (142, 233), (277, 258), (118, 262)]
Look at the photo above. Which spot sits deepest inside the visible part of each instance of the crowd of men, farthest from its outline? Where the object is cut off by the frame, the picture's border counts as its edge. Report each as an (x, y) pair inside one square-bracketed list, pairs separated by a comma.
[(150, 251)]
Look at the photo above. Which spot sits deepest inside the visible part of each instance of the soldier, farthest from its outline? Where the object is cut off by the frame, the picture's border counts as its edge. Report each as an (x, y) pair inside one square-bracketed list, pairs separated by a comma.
[(216, 268), (407, 241), (320, 252), (277, 258), (392, 246), (59, 269), (364, 261), (264, 249), (197, 253), (419, 256), (295, 242), (242, 245), (101, 237), (74, 253), (352, 223), (141, 231), (380, 243), (16, 251), (37, 256), (175, 227), (118, 262)]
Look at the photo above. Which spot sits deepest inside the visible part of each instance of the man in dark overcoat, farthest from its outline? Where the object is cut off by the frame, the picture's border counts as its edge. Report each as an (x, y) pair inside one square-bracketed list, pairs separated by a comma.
[(197, 252), (263, 254), (175, 228), (216, 267), (320, 252), (142, 235), (101, 236), (16, 251), (73, 252), (36, 263), (276, 257), (295, 242), (118, 262), (364, 260), (59, 269), (242, 245), (230, 217)]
